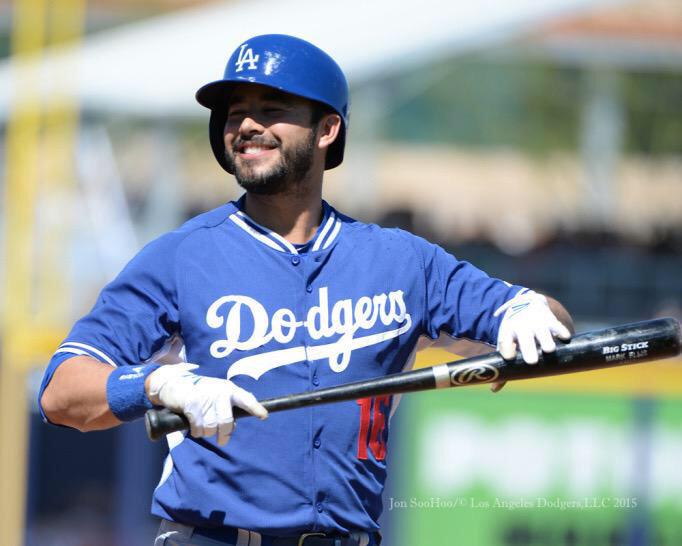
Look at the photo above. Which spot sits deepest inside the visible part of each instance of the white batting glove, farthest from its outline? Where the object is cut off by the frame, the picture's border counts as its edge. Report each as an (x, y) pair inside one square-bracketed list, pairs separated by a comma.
[(205, 401), (528, 321)]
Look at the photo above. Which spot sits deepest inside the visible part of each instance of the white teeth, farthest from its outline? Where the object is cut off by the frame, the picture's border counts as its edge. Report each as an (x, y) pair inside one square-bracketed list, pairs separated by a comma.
[(253, 150)]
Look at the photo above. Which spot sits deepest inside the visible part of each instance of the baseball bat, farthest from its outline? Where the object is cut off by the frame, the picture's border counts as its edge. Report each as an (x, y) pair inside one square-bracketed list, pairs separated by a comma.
[(616, 346)]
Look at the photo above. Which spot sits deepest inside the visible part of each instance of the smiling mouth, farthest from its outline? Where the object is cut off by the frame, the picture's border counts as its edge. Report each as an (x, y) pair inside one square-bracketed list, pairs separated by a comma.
[(251, 150)]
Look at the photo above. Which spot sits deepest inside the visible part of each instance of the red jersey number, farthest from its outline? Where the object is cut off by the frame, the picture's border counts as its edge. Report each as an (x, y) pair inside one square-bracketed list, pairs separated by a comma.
[(373, 414)]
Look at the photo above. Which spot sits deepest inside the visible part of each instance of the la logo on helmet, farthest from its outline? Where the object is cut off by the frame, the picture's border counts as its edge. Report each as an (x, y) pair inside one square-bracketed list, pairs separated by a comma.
[(246, 56)]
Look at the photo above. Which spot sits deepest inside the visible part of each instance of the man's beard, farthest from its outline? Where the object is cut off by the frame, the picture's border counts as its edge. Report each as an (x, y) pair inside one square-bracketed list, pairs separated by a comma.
[(283, 177)]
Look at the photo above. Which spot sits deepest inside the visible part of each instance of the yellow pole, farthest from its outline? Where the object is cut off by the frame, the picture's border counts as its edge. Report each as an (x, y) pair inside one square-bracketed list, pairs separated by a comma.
[(23, 129), (58, 175), (25, 340)]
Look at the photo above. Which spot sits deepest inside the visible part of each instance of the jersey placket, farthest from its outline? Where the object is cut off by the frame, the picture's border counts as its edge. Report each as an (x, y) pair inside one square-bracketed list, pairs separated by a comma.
[(309, 264), (305, 262)]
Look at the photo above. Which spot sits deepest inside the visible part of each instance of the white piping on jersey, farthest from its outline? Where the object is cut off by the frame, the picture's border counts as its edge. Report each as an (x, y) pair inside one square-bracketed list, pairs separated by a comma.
[(256, 365), (267, 233), (334, 233), (328, 224), (88, 348), (251, 231), (174, 439), (291, 248), (72, 351), (279, 243)]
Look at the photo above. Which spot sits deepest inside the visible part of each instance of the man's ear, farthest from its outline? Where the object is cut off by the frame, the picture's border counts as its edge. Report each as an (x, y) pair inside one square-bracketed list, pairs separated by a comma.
[(328, 130)]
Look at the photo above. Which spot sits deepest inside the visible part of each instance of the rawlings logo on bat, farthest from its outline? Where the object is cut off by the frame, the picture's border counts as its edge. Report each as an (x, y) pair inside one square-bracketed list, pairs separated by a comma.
[(478, 373)]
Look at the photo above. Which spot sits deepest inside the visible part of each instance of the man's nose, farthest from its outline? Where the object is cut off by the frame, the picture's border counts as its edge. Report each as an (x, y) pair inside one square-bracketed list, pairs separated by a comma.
[(250, 126)]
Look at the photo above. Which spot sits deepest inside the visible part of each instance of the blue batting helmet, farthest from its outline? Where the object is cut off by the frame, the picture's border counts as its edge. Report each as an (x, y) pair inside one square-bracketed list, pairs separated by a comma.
[(285, 63)]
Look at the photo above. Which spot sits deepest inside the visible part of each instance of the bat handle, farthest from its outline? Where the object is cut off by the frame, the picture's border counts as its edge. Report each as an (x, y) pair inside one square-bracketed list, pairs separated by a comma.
[(162, 421)]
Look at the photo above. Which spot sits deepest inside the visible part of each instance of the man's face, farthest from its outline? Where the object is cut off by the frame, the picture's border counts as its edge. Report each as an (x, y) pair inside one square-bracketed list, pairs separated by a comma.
[(269, 141)]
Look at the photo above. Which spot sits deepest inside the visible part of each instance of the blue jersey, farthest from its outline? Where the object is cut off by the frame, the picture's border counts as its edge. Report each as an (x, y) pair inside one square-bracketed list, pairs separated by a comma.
[(278, 319)]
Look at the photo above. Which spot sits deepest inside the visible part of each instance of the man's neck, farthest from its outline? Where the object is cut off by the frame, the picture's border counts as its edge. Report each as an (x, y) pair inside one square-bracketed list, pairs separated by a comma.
[(294, 217)]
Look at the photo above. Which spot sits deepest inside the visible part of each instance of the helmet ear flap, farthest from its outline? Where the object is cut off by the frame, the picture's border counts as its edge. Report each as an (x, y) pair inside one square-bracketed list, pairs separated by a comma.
[(216, 132)]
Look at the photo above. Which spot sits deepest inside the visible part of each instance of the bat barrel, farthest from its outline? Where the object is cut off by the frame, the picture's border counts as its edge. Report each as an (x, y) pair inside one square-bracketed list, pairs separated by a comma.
[(617, 346)]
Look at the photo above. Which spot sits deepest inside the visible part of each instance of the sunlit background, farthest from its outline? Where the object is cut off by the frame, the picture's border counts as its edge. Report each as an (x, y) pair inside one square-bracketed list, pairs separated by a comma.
[(540, 140)]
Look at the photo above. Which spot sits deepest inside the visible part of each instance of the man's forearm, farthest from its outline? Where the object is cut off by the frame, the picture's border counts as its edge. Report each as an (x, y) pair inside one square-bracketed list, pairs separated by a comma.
[(77, 395)]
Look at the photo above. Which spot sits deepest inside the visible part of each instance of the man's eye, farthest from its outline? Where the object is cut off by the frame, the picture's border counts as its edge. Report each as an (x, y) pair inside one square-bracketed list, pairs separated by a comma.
[(233, 113)]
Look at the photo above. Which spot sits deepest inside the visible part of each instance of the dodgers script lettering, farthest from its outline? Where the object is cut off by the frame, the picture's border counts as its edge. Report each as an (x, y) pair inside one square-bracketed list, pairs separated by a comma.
[(345, 318)]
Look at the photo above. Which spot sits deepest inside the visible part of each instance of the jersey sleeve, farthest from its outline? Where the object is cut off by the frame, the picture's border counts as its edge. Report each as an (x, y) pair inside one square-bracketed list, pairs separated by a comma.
[(460, 299), (133, 316)]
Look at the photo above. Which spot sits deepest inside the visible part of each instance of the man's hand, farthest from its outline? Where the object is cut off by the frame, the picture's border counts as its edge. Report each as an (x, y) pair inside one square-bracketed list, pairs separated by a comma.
[(528, 322), (205, 401)]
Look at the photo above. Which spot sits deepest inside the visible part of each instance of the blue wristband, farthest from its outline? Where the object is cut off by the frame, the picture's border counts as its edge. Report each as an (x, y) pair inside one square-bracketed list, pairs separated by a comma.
[(125, 391)]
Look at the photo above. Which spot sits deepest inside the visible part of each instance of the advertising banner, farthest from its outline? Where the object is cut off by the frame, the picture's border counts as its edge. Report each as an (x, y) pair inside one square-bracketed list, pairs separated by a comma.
[(526, 468)]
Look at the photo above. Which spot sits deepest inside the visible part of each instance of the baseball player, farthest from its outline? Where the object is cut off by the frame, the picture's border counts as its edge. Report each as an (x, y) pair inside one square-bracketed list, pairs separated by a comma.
[(273, 294)]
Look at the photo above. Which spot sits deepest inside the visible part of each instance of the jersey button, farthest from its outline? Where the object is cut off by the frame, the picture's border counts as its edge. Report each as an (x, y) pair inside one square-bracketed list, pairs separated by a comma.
[(309, 288), (295, 260), (316, 380), (319, 506), (317, 443)]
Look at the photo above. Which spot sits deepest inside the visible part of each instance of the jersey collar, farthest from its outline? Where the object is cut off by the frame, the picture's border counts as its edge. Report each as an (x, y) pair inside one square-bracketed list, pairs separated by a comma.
[(326, 234)]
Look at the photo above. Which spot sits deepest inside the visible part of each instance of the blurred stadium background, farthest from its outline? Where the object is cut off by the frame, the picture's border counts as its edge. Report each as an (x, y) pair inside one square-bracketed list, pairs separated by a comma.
[(540, 140)]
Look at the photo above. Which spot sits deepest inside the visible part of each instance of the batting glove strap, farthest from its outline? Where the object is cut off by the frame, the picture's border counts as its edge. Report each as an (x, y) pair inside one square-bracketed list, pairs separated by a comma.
[(125, 391)]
